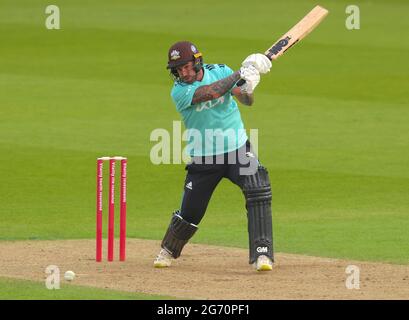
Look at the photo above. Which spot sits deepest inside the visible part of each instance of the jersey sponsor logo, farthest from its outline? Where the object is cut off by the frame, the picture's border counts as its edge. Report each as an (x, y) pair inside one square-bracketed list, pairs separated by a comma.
[(262, 249), (209, 104), (209, 66), (189, 185)]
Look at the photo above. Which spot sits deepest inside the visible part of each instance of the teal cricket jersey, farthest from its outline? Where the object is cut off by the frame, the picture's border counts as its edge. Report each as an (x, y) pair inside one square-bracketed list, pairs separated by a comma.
[(214, 126)]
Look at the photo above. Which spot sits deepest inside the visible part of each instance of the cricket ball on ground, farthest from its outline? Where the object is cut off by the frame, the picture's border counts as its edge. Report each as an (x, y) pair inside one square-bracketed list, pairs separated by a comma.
[(69, 275)]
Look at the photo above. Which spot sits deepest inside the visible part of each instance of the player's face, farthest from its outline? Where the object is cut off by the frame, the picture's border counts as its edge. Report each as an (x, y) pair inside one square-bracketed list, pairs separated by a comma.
[(187, 73)]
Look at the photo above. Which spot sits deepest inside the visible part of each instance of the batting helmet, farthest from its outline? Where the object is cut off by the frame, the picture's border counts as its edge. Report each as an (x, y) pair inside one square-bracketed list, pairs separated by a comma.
[(181, 53)]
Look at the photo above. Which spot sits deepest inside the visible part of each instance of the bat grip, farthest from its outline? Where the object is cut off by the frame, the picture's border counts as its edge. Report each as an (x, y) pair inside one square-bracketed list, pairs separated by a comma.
[(240, 82)]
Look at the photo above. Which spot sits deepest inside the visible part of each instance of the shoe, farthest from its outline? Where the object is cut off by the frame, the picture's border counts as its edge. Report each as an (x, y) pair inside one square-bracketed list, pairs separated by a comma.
[(263, 263), (163, 260)]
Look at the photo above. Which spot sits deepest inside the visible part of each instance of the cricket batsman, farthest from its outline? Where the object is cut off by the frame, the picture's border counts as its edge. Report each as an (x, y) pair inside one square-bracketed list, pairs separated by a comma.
[(204, 96)]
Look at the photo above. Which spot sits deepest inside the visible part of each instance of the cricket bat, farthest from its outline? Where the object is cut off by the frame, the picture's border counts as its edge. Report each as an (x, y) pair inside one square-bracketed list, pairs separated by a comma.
[(295, 34)]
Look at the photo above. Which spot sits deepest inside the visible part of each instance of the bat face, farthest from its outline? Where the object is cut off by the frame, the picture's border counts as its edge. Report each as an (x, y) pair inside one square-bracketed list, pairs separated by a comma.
[(296, 33)]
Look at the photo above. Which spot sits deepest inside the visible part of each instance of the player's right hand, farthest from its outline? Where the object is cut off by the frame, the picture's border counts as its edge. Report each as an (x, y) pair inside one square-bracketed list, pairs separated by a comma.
[(252, 77), (259, 61)]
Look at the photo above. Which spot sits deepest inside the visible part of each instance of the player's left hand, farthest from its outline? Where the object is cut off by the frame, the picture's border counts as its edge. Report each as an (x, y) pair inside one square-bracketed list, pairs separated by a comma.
[(259, 61)]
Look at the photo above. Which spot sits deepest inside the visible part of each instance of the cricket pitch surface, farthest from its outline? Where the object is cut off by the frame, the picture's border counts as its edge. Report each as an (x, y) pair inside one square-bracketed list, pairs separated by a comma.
[(203, 272)]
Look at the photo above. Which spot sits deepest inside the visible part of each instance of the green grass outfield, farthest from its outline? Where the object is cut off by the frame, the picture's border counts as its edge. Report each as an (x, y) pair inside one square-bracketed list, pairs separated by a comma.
[(11, 289), (332, 115)]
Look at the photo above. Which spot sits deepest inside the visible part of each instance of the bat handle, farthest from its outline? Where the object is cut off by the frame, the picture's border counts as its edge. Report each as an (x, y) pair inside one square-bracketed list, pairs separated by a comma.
[(240, 82)]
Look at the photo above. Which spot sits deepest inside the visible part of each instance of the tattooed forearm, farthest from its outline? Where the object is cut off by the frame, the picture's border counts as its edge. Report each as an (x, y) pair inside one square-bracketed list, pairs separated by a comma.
[(216, 89), (243, 97)]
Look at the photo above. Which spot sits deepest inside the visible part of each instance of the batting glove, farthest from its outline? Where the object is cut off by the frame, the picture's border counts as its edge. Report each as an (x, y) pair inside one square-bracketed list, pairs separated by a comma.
[(252, 77), (259, 61)]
